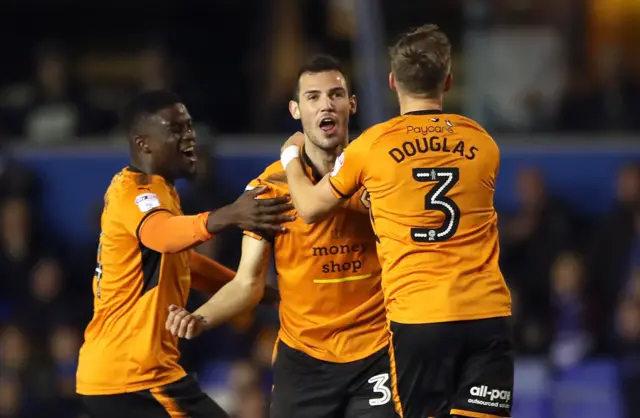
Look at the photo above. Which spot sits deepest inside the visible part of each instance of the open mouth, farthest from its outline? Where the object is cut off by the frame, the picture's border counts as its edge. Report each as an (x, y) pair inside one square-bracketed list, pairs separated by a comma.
[(189, 152), (328, 125)]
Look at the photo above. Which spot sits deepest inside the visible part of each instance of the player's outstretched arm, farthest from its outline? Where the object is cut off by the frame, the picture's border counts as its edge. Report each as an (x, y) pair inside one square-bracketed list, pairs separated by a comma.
[(209, 276), (313, 202), (164, 232), (237, 296)]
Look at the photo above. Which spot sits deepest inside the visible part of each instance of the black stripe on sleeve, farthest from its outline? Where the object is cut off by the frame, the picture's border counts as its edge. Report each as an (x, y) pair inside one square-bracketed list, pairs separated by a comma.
[(342, 195)]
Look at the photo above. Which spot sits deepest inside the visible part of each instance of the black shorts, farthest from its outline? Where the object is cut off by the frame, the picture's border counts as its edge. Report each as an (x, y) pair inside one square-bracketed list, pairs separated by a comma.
[(307, 387), (453, 368), (183, 398)]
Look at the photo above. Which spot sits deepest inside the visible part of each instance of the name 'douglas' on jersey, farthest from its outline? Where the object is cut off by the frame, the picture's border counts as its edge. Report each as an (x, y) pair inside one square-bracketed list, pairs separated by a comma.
[(432, 144)]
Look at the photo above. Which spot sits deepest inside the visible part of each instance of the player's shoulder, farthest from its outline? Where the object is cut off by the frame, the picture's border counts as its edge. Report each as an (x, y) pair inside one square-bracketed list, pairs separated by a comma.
[(274, 176), (463, 122), (132, 184)]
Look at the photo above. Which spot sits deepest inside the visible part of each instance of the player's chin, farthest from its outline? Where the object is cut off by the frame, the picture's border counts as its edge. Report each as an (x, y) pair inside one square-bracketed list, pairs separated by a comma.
[(330, 140)]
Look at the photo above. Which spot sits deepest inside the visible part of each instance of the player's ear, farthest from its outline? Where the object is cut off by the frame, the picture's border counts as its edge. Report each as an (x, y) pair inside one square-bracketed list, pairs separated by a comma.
[(294, 109), (448, 82), (392, 82), (141, 142), (353, 104)]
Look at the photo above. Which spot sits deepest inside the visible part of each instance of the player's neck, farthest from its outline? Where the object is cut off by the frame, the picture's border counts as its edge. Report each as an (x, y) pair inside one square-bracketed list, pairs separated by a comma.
[(147, 168), (414, 104), (321, 159)]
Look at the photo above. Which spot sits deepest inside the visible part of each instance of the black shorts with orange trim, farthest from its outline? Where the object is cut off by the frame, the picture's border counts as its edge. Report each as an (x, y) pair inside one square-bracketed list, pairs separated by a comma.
[(305, 387), (449, 369), (181, 399)]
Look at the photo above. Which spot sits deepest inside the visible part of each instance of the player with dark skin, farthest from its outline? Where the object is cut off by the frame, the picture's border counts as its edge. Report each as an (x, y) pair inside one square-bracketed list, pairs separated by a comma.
[(163, 143)]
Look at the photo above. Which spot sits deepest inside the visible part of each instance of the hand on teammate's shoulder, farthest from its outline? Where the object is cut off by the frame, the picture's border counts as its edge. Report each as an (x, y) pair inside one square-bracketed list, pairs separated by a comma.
[(295, 139), (254, 213), (184, 324)]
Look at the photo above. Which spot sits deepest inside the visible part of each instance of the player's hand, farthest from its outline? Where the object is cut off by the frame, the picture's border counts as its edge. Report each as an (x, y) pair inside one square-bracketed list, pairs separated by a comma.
[(295, 139), (255, 214), (182, 323)]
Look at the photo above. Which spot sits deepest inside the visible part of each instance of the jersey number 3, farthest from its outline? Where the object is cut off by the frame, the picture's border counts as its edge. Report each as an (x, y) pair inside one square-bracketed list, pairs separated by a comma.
[(436, 199)]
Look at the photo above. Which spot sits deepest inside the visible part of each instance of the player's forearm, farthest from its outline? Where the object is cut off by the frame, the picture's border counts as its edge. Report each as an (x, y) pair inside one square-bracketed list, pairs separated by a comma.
[(302, 192), (167, 233), (208, 275), (221, 219), (233, 299)]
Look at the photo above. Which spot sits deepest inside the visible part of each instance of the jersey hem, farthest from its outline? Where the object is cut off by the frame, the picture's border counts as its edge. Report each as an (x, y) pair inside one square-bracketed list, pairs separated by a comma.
[(335, 359), (401, 319), (89, 390)]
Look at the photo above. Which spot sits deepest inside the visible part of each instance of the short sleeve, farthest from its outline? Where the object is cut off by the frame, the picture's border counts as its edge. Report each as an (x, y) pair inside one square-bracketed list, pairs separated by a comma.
[(268, 194), (347, 174), (139, 202)]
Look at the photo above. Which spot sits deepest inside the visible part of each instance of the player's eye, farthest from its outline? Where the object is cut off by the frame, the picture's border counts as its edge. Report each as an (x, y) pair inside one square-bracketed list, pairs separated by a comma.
[(312, 97)]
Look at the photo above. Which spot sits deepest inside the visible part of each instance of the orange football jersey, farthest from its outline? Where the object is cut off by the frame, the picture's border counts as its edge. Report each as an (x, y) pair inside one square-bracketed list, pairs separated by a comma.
[(431, 180), (126, 346), (331, 306)]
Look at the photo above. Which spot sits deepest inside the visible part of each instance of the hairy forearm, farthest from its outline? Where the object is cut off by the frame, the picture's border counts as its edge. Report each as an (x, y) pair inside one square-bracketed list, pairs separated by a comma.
[(233, 299), (302, 192), (208, 275)]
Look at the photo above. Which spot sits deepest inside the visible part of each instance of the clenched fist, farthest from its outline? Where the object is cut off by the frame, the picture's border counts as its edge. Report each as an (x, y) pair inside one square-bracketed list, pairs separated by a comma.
[(183, 323)]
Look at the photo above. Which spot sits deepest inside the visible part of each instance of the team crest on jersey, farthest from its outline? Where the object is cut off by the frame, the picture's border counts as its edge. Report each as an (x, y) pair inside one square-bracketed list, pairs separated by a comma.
[(365, 199), (147, 201), (338, 165)]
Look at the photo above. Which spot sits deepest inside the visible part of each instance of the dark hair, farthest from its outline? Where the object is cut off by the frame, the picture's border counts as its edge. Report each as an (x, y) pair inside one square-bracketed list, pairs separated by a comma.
[(319, 63), (144, 105), (421, 61)]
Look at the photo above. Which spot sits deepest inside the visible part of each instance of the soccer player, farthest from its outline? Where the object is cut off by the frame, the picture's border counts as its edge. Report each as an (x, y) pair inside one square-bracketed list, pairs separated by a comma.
[(331, 358), (431, 181), (128, 365)]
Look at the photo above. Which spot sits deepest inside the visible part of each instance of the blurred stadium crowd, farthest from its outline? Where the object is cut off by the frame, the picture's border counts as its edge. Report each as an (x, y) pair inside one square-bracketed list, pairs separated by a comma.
[(541, 65), (575, 278), (575, 282)]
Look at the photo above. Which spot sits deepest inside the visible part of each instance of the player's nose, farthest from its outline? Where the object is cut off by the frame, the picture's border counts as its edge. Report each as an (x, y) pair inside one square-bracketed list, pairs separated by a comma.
[(327, 104)]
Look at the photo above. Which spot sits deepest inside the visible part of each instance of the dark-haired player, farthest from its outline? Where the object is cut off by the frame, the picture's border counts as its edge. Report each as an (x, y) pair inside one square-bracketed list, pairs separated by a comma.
[(331, 359), (128, 365), (431, 179)]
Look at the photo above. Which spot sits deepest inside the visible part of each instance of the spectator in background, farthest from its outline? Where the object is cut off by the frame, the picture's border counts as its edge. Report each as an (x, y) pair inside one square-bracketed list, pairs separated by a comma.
[(530, 240), (16, 372), (19, 246), (628, 343), (47, 298), (42, 108), (249, 397), (64, 343), (610, 251), (11, 398), (52, 114), (16, 180), (252, 403), (572, 338)]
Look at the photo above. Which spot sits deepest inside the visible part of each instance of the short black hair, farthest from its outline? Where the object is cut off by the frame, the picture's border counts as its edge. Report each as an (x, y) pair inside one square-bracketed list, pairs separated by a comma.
[(318, 63), (146, 104)]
